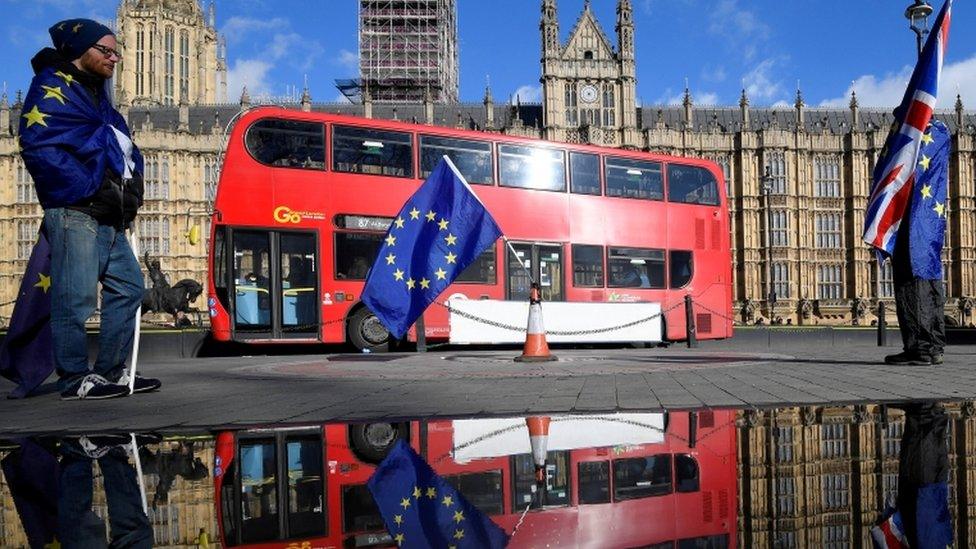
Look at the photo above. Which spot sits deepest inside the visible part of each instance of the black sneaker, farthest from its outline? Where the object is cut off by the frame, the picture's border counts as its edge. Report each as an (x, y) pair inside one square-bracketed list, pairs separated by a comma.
[(906, 358), (94, 387), (936, 358), (142, 384)]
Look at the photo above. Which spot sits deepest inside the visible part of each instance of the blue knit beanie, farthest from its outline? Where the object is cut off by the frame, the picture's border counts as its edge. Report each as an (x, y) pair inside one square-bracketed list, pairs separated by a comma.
[(73, 37)]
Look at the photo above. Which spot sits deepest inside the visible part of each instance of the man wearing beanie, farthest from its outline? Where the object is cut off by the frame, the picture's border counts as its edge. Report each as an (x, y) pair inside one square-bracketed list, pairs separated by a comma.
[(88, 177)]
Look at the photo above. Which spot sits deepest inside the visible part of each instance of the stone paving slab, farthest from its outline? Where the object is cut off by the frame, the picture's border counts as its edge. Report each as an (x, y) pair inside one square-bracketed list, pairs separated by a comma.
[(207, 393)]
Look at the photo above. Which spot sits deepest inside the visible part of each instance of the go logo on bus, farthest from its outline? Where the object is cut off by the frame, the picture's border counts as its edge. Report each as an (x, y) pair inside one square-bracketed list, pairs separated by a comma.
[(284, 214)]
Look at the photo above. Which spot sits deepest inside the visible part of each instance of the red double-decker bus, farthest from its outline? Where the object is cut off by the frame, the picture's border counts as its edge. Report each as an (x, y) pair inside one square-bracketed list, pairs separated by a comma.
[(660, 484), (615, 238)]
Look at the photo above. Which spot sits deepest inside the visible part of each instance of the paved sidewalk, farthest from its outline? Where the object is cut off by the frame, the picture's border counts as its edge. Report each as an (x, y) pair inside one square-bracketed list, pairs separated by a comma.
[(248, 391)]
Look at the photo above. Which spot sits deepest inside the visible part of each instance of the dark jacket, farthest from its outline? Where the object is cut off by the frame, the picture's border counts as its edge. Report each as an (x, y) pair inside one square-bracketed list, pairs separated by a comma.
[(111, 201)]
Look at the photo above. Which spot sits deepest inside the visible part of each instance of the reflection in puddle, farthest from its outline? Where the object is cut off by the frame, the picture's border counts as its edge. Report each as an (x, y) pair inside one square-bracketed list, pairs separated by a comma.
[(804, 477)]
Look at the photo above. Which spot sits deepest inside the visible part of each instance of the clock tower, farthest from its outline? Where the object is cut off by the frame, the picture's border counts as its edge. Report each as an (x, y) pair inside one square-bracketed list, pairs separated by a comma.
[(588, 84)]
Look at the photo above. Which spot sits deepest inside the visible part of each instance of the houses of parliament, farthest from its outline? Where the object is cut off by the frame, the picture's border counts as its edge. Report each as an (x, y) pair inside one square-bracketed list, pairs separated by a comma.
[(797, 177)]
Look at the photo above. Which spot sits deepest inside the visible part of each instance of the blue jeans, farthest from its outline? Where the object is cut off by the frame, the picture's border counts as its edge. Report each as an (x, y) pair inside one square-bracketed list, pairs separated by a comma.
[(78, 527), (84, 253)]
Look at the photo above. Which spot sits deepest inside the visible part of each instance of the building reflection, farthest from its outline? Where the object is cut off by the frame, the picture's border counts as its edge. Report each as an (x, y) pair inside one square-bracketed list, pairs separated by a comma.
[(803, 477)]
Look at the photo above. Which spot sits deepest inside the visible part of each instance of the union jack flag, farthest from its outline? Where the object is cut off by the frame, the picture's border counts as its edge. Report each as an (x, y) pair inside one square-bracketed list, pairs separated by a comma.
[(894, 174)]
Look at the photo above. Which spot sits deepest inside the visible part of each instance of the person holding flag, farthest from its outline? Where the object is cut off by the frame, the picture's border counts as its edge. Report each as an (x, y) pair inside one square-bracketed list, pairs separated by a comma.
[(88, 178), (441, 229), (906, 212)]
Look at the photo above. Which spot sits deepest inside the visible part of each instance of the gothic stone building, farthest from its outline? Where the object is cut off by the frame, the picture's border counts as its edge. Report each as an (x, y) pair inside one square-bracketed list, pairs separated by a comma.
[(171, 87)]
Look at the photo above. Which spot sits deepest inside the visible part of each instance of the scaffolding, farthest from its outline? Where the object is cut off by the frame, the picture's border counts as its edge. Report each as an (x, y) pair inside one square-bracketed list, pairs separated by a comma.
[(407, 49)]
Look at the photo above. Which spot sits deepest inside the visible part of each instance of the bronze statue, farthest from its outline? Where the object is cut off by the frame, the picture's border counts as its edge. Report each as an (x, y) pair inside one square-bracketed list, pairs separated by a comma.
[(175, 299)]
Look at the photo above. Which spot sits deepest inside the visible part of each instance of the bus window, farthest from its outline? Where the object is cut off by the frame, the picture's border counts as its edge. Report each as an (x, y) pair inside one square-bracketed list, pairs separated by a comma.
[(682, 267), (531, 168), (634, 179), (584, 173), (483, 490), (359, 510), (362, 150), (472, 158), (557, 481), (481, 270), (636, 268), (355, 253), (587, 266), (221, 283), (306, 509), (692, 185), (259, 491), (641, 477), (594, 482), (685, 473), (287, 143), (299, 281), (252, 284)]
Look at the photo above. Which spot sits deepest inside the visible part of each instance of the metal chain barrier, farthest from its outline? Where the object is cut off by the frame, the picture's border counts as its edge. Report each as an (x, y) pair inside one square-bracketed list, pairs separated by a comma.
[(522, 329), (714, 312)]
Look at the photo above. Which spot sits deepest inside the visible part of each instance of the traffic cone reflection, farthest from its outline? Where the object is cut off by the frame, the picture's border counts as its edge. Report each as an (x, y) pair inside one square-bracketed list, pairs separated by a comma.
[(536, 349), (539, 439)]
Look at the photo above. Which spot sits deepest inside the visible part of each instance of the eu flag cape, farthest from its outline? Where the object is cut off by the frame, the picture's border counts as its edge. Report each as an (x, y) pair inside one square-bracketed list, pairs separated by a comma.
[(441, 229), (67, 141), (928, 209), (421, 509), (26, 356)]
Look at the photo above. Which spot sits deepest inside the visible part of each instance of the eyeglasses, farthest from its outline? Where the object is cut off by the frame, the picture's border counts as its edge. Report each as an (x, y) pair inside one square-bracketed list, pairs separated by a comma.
[(107, 51)]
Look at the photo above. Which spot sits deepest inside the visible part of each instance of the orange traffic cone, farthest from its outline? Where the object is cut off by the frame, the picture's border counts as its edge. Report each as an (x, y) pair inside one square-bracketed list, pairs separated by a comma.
[(539, 439), (536, 349)]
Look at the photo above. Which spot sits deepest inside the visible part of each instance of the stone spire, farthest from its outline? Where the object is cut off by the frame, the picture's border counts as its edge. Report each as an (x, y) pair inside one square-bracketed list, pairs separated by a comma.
[(855, 111), (367, 102), (744, 109), (306, 97), (798, 105), (625, 29), (960, 112), (245, 99), (689, 105), (428, 106), (4, 113), (489, 102), (549, 29)]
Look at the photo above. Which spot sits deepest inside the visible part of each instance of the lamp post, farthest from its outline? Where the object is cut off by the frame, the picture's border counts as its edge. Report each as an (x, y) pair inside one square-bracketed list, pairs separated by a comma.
[(766, 186), (918, 17)]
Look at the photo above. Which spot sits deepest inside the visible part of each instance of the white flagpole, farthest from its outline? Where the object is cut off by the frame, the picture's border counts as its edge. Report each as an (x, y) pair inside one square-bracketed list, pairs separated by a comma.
[(134, 245)]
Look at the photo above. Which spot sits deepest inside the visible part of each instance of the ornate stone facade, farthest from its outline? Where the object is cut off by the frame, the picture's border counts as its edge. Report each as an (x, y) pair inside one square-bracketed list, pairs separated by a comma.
[(819, 161)]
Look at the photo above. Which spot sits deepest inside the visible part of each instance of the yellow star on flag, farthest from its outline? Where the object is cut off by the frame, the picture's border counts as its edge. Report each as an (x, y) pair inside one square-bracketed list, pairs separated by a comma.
[(35, 116), (430, 215), (424, 283), (399, 223), (939, 209), (390, 259), (61, 27), (410, 284), (924, 162), (927, 138), (399, 539), (443, 224), (77, 27), (450, 239), (415, 214), (398, 519), (450, 257), (390, 240), (68, 79), (416, 489), (43, 282), (458, 534), (458, 516), (431, 493), (405, 502), (398, 274), (448, 501), (441, 273), (53, 92), (926, 191)]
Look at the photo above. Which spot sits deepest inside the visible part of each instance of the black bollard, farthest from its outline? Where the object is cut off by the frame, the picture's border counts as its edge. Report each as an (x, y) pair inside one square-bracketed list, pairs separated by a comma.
[(421, 335), (882, 325), (690, 322)]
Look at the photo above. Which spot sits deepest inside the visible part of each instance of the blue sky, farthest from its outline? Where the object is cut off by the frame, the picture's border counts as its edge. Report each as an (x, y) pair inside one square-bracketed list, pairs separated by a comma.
[(719, 46)]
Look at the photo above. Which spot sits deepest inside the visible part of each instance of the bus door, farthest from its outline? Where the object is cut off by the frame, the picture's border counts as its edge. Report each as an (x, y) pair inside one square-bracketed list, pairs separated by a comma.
[(544, 262), (275, 277)]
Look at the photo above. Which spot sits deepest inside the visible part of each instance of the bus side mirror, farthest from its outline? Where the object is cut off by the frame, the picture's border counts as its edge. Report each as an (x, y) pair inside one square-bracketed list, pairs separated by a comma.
[(193, 235)]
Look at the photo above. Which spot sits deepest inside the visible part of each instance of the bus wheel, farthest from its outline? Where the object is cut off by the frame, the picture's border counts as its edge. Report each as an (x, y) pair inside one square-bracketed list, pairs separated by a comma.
[(367, 332), (371, 442)]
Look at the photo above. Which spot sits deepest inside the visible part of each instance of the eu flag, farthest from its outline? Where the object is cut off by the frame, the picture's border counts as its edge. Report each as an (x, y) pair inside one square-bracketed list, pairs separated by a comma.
[(26, 357), (420, 509), (32, 474), (927, 216), (441, 229)]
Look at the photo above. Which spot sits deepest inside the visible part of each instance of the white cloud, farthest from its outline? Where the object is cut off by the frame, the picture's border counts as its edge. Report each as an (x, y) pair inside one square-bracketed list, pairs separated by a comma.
[(528, 94), (760, 84), (888, 90), (741, 27), (347, 59), (697, 98), (252, 73), (236, 29), (713, 74), (282, 46)]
